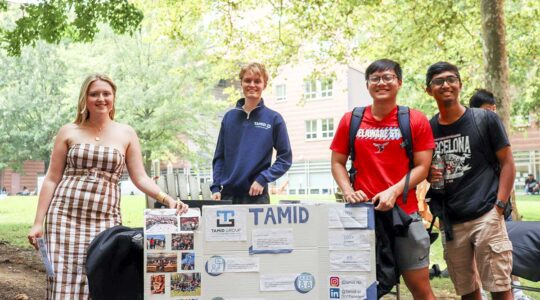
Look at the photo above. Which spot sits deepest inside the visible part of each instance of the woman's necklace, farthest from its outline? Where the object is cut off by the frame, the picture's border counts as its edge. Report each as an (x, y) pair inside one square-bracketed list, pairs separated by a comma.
[(98, 135), (97, 138)]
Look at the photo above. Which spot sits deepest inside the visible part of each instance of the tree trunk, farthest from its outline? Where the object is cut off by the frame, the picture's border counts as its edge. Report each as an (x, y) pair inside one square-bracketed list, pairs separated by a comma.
[(496, 63), (495, 56)]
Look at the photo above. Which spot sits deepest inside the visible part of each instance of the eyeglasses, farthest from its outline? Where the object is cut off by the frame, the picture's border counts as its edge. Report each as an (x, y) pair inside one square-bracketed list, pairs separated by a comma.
[(440, 81), (386, 78)]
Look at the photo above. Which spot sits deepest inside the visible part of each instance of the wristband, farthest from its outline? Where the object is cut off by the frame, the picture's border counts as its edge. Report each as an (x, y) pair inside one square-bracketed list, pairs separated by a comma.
[(161, 197)]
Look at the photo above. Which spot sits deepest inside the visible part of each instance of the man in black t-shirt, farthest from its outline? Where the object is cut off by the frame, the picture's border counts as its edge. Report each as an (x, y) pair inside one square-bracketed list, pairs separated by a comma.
[(479, 253)]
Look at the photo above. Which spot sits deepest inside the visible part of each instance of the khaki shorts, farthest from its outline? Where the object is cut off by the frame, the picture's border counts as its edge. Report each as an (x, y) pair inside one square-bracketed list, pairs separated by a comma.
[(480, 255)]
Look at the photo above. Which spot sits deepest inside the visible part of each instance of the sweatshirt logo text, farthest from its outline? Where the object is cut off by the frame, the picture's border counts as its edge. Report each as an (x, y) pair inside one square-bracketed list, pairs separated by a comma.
[(262, 125)]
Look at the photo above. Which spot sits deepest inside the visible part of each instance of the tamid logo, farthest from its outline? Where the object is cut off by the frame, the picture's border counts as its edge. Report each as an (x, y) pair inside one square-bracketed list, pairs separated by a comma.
[(262, 125), (225, 218), (334, 293), (334, 281)]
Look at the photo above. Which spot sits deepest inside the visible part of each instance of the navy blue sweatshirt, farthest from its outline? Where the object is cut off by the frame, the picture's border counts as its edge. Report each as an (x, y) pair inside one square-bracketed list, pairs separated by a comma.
[(244, 150)]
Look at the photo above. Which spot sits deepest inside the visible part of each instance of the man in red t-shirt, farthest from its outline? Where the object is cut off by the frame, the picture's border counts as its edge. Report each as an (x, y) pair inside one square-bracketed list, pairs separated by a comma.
[(382, 165)]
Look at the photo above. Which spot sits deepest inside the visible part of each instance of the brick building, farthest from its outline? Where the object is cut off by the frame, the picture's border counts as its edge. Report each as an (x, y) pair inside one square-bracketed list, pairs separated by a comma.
[(28, 176)]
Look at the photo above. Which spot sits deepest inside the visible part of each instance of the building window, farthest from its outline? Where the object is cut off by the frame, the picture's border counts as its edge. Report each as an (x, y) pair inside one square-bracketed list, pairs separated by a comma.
[(281, 92), (326, 88), (319, 129), (314, 191), (292, 192), (311, 129), (327, 130), (301, 191), (326, 191), (318, 89), (310, 89)]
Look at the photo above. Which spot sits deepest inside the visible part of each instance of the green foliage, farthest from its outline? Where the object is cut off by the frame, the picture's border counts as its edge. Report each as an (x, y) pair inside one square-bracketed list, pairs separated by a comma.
[(52, 21), (164, 92), (32, 104), (415, 33), (166, 97)]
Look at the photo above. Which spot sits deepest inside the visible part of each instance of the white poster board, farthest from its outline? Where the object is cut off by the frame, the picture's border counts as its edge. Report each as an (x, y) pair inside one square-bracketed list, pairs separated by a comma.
[(263, 252)]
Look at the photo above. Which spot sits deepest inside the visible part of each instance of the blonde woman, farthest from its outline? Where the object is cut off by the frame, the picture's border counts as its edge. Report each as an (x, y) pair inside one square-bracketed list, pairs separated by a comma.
[(80, 196)]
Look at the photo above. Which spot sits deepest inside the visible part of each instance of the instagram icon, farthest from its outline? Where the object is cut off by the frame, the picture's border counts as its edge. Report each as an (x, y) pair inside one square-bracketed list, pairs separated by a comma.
[(334, 281)]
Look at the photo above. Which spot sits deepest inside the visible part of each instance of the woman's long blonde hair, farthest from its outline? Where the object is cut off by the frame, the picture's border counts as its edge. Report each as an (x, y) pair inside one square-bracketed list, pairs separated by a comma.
[(82, 111)]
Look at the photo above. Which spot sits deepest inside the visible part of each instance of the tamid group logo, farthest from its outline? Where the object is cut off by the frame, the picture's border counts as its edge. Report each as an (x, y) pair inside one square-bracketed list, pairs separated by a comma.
[(334, 281), (262, 125), (225, 218), (334, 293)]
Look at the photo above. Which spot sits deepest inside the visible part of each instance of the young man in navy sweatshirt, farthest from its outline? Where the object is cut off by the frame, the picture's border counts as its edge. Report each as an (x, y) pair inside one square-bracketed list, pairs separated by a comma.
[(242, 162)]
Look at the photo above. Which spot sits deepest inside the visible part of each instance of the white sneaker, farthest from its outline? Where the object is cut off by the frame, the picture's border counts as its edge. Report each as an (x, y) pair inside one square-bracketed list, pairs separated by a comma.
[(520, 295), (484, 295)]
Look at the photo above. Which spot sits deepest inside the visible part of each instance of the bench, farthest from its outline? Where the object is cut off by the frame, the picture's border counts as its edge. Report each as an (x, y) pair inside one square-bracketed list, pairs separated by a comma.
[(181, 186)]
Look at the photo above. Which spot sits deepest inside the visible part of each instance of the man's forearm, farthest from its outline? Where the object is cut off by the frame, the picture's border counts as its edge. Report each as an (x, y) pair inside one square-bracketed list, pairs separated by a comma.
[(508, 173), (506, 182), (341, 176), (418, 174)]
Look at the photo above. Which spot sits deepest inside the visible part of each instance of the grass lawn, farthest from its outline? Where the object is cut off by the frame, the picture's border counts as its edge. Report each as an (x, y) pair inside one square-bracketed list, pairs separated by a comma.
[(529, 207), (17, 215)]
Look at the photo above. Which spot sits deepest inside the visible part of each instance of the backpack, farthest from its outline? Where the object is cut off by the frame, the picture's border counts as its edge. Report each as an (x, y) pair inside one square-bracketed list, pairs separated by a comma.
[(114, 264), (404, 123)]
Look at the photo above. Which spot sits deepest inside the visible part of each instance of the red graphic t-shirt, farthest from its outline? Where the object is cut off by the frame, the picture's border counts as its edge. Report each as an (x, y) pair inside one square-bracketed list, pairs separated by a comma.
[(380, 160)]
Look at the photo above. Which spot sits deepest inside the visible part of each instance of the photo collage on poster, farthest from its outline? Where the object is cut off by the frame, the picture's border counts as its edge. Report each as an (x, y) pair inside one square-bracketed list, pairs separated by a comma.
[(170, 254)]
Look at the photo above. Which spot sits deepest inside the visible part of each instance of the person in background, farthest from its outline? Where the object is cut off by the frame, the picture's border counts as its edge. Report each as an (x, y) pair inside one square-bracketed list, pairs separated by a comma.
[(531, 185), (483, 99), (249, 132), (80, 196), (25, 191)]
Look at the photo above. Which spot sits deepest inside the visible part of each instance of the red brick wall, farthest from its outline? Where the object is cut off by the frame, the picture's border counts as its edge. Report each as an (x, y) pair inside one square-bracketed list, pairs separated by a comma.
[(28, 176), (529, 139)]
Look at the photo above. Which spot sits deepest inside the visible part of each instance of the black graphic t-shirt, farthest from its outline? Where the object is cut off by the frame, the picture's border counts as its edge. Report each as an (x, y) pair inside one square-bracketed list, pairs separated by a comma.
[(471, 182)]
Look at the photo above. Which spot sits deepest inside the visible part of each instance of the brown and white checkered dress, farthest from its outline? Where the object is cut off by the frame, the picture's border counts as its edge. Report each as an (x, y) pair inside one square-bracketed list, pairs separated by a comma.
[(85, 203)]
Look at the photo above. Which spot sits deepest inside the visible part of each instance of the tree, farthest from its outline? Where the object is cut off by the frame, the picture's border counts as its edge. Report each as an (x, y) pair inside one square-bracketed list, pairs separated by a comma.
[(164, 92), (495, 56), (54, 20), (415, 33), (496, 64), (32, 104)]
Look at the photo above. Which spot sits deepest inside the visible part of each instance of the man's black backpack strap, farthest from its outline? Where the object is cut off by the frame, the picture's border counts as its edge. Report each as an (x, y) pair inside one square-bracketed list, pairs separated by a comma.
[(404, 122), (481, 124), (356, 119)]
